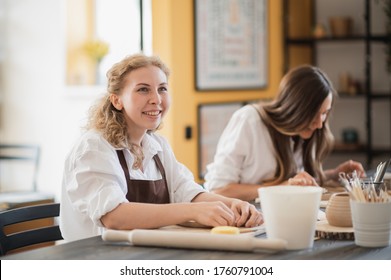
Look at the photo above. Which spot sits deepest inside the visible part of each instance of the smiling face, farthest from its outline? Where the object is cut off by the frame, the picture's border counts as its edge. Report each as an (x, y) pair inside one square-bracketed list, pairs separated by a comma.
[(144, 100), (320, 118)]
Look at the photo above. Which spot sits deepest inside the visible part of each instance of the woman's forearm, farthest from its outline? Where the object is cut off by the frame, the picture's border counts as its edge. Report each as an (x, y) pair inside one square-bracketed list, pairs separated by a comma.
[(210, 196), (247, 192), (142, 215), (210, 210), (331, 174)]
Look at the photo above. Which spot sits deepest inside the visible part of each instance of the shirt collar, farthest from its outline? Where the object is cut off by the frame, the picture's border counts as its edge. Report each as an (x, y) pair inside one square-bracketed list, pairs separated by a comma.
[(150, 145), (150, 148)]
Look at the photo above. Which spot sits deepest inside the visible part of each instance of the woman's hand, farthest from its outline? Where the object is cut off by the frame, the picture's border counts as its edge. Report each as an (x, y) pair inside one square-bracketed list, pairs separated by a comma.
[(215, 213), (302, 179), (347, 167), (217, 210), (350, 166), (246, 214)]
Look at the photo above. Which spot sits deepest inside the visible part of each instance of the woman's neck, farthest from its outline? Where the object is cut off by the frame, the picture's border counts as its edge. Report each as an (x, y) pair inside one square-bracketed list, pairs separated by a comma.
[(136, 137)]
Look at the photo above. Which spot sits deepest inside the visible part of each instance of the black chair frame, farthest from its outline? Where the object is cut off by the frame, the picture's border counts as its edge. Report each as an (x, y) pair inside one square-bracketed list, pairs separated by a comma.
[(31, 236)]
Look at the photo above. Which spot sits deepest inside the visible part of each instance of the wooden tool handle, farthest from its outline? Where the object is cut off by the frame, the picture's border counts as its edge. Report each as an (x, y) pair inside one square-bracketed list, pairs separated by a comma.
[(194, 240)]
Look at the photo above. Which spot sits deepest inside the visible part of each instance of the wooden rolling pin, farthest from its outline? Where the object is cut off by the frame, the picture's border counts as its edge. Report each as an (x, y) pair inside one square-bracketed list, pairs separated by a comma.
[(193, 240)]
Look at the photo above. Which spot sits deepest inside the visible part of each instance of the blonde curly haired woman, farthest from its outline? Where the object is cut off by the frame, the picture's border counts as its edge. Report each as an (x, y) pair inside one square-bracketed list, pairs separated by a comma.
[(121, 175)]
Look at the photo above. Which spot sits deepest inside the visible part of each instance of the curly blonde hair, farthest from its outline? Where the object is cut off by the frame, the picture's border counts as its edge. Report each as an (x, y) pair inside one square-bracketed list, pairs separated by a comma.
[(109, 121)]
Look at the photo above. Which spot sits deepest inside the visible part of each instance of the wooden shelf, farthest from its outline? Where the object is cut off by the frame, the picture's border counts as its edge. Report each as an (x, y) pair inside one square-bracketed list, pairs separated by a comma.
[(356, 38), (340, 148), (349, 147)]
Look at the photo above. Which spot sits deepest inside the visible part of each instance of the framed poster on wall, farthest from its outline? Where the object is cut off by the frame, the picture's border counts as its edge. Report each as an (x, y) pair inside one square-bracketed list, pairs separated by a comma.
[(212, 119), (230, 44)]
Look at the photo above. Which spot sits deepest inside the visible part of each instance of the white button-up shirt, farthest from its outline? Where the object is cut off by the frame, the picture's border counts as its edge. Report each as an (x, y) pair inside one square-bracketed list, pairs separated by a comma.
[(94, 182), (245, 153)]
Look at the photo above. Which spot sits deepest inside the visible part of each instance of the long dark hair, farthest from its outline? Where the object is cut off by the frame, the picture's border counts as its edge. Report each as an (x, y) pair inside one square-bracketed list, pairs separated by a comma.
[(301, 94)]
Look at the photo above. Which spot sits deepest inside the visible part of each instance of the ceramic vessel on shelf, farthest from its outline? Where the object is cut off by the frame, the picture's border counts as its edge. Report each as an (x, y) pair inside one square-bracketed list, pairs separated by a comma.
[(341, 26), (338, 210)]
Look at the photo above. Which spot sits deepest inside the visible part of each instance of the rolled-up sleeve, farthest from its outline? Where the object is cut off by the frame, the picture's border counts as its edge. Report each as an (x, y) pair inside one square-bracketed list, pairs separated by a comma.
[(95, 185)]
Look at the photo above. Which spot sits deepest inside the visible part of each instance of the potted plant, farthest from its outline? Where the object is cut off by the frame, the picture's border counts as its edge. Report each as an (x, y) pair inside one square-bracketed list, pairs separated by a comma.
[(96, 50)]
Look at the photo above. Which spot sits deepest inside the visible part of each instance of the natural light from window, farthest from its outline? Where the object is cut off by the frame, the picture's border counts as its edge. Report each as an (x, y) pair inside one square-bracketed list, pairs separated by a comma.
[(100, 33)]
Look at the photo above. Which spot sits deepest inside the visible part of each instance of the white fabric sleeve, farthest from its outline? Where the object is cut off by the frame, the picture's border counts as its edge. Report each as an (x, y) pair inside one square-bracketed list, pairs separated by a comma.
[(235, 144), (93, 186)]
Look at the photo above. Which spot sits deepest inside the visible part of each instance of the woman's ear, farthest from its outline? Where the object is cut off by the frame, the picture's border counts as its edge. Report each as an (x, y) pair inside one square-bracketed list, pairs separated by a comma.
[(116, 101)]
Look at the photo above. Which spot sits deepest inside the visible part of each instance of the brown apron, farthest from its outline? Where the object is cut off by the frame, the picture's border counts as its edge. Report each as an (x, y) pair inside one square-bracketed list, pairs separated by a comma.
[(146, 191)]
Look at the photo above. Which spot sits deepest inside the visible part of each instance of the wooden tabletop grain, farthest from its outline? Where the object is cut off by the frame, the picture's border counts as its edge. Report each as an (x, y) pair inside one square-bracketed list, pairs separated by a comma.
[(96, 249)]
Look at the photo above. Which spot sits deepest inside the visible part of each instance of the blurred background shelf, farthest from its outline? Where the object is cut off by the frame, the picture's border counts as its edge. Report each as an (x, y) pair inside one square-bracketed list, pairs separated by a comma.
[(349, 147), (354, 57)]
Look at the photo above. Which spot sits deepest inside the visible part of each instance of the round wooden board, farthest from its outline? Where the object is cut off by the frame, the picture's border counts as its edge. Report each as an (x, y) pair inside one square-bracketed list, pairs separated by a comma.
[(326, 231)]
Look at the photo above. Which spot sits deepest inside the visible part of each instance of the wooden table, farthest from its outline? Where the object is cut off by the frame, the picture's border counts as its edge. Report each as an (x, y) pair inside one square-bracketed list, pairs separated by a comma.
[(96, 249)]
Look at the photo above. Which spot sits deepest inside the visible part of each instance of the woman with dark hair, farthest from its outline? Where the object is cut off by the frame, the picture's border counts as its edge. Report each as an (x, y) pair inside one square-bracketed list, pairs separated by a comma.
[(121, 175), (281, 142)]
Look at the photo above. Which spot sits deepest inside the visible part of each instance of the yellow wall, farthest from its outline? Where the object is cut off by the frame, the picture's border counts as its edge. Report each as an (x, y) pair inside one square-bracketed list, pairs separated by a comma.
[(173, 41), (300, 26)]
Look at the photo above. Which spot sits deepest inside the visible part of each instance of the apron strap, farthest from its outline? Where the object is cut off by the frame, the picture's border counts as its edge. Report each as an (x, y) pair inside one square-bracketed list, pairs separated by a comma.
[(122, 161), (160, 167)]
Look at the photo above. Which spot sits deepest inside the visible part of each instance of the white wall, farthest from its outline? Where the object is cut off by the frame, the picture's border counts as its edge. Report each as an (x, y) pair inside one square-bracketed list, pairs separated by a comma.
[(35, 105)]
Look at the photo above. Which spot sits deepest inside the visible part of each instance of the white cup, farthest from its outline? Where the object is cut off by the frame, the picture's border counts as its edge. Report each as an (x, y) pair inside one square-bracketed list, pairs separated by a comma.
[(371, 223), (290, 213)]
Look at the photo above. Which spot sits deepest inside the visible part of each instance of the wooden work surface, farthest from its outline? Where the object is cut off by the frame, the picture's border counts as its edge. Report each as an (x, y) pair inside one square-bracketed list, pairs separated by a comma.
[(95, 248)]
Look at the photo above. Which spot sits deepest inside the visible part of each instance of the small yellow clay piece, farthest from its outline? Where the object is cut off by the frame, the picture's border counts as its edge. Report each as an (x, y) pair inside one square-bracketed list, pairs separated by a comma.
[(225, 230)]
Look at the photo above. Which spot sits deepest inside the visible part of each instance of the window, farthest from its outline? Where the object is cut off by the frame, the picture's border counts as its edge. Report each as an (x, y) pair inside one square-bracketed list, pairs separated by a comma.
[(100, 33)]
